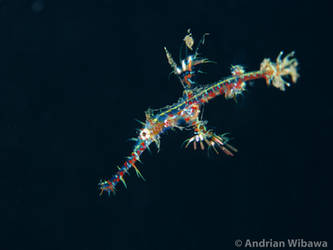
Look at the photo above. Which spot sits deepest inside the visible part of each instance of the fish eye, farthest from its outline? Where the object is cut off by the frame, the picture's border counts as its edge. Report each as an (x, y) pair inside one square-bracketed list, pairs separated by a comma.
[(144, 134)]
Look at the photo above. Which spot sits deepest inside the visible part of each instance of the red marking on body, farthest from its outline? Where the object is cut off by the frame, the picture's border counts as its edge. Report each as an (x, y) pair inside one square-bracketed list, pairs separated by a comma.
[(186, 79), (190, 65), (212, 94), (238, 84)]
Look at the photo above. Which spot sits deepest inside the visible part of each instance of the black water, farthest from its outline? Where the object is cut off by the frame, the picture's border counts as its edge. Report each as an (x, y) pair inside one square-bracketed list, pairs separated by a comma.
[(74, 76)]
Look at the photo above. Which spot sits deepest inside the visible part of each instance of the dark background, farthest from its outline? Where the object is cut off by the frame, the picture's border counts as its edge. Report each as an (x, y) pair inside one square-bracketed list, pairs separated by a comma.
[(75, 75)]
